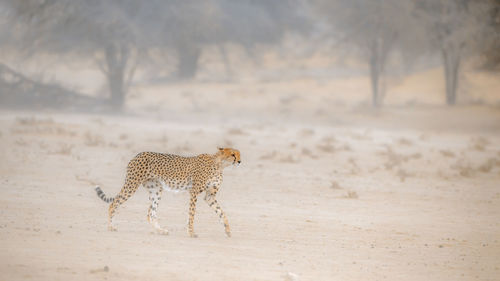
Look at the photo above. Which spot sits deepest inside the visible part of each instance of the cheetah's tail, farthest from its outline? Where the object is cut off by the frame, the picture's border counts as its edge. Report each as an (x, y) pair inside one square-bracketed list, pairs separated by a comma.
[(101, 195)]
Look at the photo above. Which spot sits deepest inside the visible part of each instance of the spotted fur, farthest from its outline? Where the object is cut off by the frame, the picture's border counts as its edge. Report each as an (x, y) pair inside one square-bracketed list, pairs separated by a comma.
[(158, 172)]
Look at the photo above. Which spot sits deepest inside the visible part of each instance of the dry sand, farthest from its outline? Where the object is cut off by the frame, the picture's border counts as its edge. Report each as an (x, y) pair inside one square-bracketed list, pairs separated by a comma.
[(394, 194)]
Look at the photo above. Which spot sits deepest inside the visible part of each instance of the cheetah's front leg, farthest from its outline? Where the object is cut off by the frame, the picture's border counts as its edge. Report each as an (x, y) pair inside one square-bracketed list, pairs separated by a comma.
[(212, 202), (155, 190)]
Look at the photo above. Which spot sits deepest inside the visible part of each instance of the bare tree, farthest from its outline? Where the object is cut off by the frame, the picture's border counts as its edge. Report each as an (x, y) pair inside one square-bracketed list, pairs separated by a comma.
[(217, 22), (115, 33), (99, 30), (371, 26), (454, 27), (191, 25), (491, 46)]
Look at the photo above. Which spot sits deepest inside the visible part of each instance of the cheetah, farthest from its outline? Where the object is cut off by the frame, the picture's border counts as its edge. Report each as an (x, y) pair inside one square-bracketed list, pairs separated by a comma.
[(159, 171)]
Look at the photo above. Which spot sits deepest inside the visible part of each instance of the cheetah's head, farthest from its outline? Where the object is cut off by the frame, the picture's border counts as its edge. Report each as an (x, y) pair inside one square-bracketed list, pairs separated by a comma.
[(229, 156)]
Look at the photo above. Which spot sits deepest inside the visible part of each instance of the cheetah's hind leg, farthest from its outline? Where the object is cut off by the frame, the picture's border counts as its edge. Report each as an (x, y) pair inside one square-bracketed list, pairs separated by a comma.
[(155, 189), (128, 190)]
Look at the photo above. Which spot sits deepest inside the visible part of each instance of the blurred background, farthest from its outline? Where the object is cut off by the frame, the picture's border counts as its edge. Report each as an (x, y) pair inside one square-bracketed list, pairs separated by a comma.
[(247, 56)]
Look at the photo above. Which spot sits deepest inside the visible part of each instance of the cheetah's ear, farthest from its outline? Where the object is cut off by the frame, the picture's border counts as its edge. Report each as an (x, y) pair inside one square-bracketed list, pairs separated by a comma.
[(220, 148)]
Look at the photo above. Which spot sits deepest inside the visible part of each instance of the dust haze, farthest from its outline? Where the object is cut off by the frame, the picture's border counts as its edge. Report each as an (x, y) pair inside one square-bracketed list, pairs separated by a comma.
[(369, 133)]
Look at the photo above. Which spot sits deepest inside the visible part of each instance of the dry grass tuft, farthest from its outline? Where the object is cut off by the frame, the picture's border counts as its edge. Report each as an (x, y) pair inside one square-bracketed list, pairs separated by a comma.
[(351, 195), (423, 137), (236, 131), (416, 155), (269, 156), (403, 174), (354, 166), (327, 148), (64, 149), (274, 155), (335, 185), (395, 159), (487, 166), (306, 133), (463, 167), (345, 147), (363, 136), (305, 151), (404, 141), (447, 153), (40, 126), (21, 142), (32, 121), (93, 140), (288, 159), (329, 139), (479, 143)]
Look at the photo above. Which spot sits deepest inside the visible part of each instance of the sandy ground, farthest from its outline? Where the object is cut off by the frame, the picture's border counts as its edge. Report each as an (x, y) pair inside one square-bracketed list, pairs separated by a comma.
[(391, 194)]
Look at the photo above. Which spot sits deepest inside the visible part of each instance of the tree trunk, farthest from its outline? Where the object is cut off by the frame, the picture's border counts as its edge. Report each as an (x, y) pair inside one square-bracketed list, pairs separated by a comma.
[(374, 75), (188, 55), (116, 64), (227, 64), (375, 72), (451, 65)]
